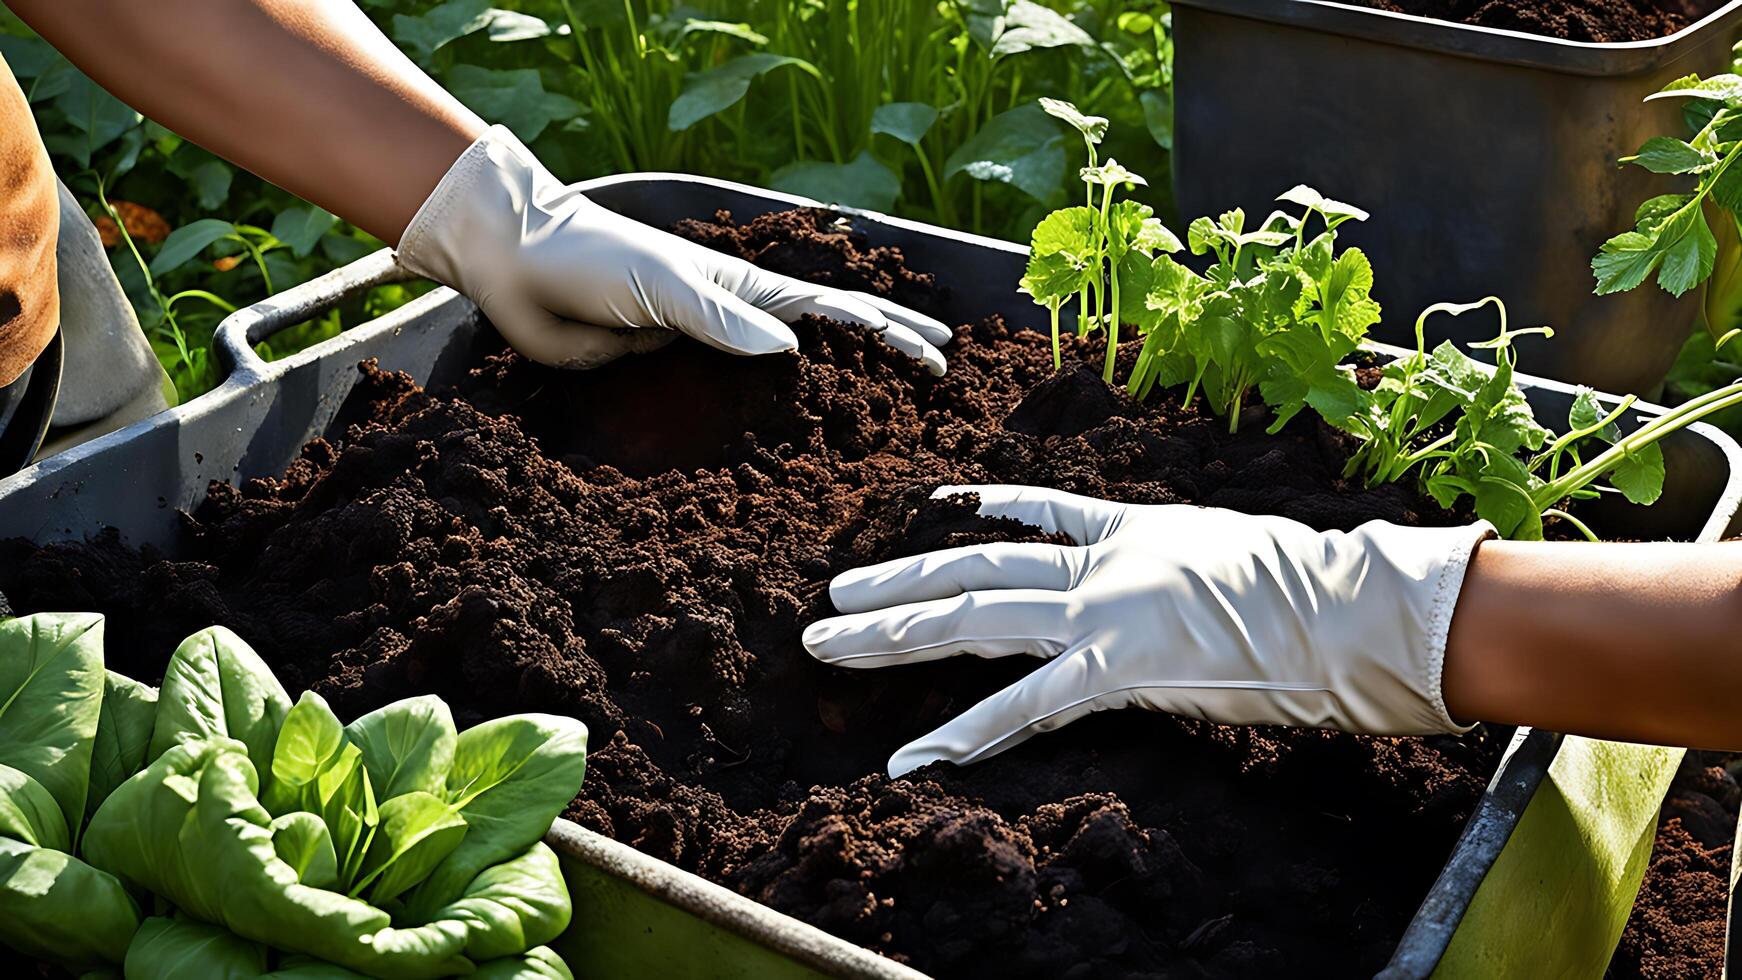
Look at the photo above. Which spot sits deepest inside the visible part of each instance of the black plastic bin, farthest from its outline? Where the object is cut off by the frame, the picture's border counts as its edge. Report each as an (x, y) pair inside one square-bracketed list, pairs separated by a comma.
[(1487, 157)]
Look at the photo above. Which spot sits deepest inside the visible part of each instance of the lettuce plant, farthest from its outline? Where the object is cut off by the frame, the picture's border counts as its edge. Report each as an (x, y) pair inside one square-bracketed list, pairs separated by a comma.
[(269, 833)]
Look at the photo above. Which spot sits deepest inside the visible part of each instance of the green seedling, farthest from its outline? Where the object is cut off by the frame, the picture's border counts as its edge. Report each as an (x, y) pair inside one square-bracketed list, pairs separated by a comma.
[(1465, 430)]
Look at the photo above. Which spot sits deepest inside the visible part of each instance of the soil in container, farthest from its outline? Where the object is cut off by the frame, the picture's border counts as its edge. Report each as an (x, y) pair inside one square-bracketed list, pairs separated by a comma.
[(1600, 21), (1676, 931), (640, 547)]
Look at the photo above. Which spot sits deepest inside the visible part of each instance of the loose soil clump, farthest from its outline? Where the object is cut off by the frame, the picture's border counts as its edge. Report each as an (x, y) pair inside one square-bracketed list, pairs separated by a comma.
[(1676, 931), (640, 547), (1601, 21)]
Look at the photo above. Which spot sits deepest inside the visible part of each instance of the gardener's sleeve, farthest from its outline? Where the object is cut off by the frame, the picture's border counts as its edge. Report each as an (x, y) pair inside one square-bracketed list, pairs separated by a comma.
[(29, 227)]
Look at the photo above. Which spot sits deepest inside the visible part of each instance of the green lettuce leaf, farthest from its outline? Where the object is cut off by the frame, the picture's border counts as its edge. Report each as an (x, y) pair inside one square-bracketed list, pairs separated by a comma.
[(58, 908), (215, 685), (123, 735), (51, 696)]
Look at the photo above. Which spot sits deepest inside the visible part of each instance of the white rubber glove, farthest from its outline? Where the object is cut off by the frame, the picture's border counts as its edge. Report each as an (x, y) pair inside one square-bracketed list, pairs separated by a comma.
[(1197, 611), (573, 285)]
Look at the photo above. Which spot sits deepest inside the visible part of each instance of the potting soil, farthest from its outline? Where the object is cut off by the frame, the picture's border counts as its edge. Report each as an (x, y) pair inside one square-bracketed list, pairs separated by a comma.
[(1601, 21), (640, 546)]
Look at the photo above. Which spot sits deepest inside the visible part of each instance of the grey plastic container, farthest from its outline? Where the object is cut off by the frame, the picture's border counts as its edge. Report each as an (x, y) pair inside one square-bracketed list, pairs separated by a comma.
[(1487, 157), (646, 918)]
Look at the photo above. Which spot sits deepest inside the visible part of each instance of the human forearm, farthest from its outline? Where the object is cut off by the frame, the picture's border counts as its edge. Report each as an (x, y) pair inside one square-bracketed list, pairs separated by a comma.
[(1641, 642), (305, 93)]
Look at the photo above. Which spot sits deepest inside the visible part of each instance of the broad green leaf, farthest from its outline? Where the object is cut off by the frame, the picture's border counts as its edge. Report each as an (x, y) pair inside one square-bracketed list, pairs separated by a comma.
[(1726, 88), (206, 175), (28, 57), (513, 905), (1639, 475), (506, 26), (302, 227), (98, 117), (1093, 128), (301, 840), (29, 813), (515, 98), (1587, 411), (864, 183), (1625, 261), (906, 121), (1021, 147), (1665, 155), (1347, 295), (1688, 260), (511, 778), (1502, 494), (123, 735), (541, 963), (187, 242), (708, 92), (444, 23), (1026, 25), (407, 746), (56, 907), (51, 696), (1158, 116), (1059, 254), (167, 949), (417, 831), (216, 684)]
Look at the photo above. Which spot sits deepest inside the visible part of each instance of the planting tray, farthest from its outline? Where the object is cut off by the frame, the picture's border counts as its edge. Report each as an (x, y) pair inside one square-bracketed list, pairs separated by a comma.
[(1487, 157), (647, 918)]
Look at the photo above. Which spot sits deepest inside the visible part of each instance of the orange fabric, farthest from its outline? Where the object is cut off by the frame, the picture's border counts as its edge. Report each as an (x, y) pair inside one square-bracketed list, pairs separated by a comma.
[(29, 230)]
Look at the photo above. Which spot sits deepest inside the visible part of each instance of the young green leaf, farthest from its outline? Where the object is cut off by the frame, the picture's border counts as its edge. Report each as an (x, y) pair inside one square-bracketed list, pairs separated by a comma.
[(511, 778), (1093, 128), (216, 684), (310, 742), (719, 88), (123, 735), (301, 840), (407, 746), (1021, 147), (417, 831), (1334, 212), (514, 904)]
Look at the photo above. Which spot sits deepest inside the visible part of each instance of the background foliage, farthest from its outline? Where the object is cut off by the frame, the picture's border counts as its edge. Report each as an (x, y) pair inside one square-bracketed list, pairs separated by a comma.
[(924, 108)]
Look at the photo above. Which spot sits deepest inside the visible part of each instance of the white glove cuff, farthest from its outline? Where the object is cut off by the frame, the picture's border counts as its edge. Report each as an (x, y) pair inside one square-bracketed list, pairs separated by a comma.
[(1430, 564), (474, 217)]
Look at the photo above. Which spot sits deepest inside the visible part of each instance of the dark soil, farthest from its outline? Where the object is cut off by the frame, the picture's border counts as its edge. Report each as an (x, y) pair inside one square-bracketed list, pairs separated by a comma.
[(640, 546), (1575, 20), (1677, 928)]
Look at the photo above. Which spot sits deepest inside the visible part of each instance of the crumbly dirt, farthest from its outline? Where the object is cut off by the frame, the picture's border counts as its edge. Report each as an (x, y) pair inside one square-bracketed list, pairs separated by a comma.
[(1574, 20), (1676, 931), (640, 547)]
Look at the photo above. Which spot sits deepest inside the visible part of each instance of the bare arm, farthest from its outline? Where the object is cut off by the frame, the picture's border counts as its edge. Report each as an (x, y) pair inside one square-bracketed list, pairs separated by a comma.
[(1638, 642), (305, 93)]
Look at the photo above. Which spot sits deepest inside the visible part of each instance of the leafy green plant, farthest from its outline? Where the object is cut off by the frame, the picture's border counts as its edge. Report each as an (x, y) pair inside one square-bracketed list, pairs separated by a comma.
[(1673, 237), (1278, 309), (1466, 430), (394, 846)]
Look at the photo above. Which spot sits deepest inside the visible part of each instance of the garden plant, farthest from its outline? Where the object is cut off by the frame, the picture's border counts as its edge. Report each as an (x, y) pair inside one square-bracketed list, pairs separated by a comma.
[(211, 827), (798, 96)]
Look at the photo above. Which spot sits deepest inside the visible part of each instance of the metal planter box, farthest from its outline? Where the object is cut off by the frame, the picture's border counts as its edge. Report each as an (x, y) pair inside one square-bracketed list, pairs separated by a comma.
[(646, 918), (1487, 157)]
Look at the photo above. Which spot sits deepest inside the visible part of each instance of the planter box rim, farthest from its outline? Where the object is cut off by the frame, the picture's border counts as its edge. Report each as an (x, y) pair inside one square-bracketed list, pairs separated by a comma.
[(1482, 43)]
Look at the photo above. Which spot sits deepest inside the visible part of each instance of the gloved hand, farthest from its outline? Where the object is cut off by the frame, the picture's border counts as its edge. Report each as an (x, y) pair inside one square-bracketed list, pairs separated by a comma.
[(573, 285), (1193, 610)]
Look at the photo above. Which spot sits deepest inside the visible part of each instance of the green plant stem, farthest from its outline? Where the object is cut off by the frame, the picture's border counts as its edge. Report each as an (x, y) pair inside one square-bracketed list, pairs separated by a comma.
[(1057, 357), (1651, 432)]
